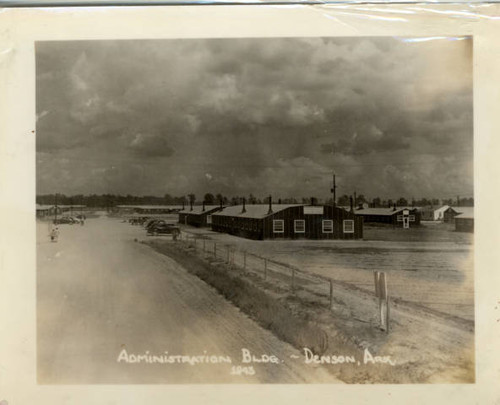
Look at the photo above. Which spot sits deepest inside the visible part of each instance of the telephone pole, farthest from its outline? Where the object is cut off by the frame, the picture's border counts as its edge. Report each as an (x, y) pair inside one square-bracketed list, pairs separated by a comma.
[(55, 210)]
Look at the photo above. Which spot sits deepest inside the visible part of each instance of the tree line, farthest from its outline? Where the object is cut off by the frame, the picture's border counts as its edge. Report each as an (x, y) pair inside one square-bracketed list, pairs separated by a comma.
[(111, 200)]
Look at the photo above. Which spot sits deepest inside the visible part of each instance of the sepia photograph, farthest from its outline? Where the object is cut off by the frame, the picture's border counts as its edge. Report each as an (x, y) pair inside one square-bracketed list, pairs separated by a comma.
[(294, 210)]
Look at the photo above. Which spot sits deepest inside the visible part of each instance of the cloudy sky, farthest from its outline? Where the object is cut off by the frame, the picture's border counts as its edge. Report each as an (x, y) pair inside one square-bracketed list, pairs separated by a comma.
[(391, 116)]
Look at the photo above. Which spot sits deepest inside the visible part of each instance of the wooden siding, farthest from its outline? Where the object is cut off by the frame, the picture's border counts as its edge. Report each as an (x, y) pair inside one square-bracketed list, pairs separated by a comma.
[(262, 228), (391, 219), (198, 220), (464, 224)]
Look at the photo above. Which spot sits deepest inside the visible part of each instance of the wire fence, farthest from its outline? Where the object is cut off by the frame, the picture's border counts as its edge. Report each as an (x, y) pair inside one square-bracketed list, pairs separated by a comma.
[(285, 275), (327, 292)]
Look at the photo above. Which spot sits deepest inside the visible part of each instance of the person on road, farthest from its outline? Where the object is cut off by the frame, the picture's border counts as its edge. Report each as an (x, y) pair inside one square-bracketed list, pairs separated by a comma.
[(54, 234)]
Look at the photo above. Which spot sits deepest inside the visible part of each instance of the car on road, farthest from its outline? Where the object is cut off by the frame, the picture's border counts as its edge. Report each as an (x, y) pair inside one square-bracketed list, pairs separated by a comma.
[(63, 220), (154, 222), (164, 229)]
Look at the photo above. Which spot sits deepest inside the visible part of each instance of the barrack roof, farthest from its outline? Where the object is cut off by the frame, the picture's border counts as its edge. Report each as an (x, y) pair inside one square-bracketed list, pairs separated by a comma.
[(198, 209), (464, 212), (254, 210), (381, 211), (151, 207)]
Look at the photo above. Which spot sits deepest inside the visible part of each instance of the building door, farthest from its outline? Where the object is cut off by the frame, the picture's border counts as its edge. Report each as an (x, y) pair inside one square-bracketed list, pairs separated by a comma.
[(406, 222)]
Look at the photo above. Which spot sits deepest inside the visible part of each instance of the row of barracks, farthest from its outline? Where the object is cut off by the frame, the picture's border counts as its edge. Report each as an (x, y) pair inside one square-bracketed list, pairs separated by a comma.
[(402, 217), (277, 221), (198, 216)]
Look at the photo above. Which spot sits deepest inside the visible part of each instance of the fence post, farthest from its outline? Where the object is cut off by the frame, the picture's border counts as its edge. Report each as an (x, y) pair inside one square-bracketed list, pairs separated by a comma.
[(331, 294), (265, 269), (383, 299)]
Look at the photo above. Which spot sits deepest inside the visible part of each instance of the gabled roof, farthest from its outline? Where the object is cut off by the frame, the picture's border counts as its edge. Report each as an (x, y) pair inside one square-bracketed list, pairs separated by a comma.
[(254, 210), (443, 208), (381, 211), (44, 207), (150, 207), (431, 208), (464, 212), (198, 209)]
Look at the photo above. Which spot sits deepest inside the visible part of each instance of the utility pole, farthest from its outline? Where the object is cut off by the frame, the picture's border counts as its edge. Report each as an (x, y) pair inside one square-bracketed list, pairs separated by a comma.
[(55, 210), (334, 192)]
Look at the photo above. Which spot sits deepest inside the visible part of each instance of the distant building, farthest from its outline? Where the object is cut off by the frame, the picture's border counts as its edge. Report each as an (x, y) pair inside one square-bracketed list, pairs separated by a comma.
[(450, 214), (433, 213), (288, 221), (43, 211), (402, 217), (148, 209), (464, 222), (462, 216), (198, 215)]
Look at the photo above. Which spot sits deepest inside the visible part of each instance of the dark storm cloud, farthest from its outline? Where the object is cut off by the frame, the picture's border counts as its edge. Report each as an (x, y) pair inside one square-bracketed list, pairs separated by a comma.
[(255, 115)]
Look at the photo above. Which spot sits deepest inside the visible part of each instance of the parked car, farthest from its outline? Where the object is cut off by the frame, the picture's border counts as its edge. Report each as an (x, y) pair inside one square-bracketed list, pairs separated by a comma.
[(154, 222), (164, 229), (63, 220)]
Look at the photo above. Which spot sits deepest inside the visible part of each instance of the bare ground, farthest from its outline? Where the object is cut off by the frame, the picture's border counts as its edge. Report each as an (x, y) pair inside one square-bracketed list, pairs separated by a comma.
[(429, 344), (426, 347), (99, 292)]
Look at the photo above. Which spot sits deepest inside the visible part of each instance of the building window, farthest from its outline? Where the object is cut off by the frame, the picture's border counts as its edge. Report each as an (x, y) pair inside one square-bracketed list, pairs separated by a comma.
[(278, 226), (299, 226), (348, 226), (209, 219), (327, 226)]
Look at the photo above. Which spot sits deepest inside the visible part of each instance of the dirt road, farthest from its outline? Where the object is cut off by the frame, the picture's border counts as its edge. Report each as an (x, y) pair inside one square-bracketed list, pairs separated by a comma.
[(103, 300)]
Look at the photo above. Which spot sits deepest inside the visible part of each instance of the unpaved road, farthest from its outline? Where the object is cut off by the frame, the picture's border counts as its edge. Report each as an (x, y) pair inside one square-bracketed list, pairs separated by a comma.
[(99, 292)]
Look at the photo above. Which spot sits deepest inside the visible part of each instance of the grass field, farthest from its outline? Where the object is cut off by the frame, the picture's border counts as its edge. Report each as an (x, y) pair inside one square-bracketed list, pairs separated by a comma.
[(431, 265)]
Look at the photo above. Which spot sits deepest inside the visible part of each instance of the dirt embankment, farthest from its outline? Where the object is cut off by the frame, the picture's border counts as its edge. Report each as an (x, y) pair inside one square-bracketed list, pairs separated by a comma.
[(421, 347)]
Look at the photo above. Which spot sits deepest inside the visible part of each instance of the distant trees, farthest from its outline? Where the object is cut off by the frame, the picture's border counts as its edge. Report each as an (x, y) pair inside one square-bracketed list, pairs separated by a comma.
[(402, 202), (220, 198), (252, 199), (111, 200), (360, 199), (168, 199), (343, 200), (209, 198)]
